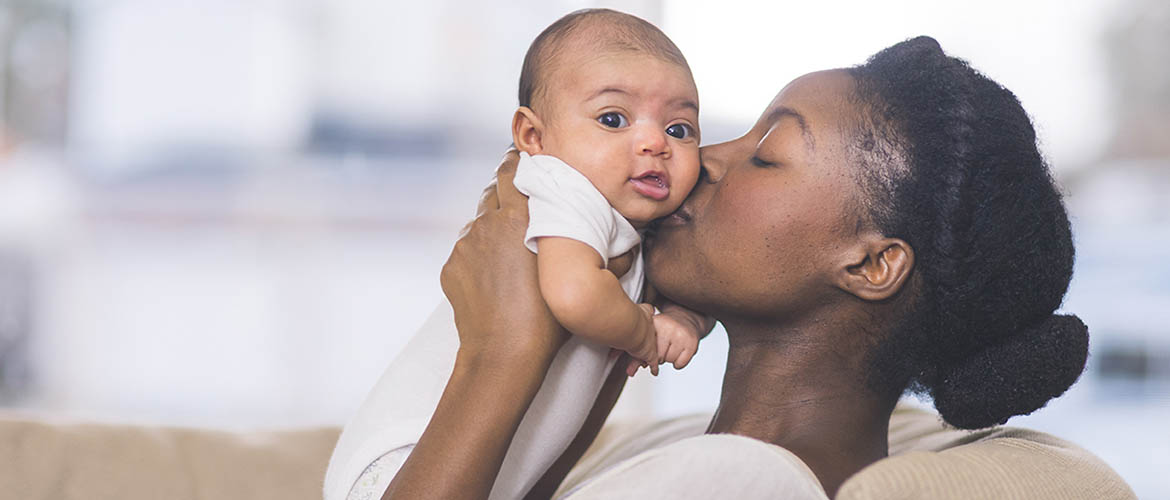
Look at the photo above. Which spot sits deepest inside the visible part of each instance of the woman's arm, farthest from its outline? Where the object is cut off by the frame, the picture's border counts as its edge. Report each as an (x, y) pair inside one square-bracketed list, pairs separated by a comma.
[(460, 453), (507, 338)]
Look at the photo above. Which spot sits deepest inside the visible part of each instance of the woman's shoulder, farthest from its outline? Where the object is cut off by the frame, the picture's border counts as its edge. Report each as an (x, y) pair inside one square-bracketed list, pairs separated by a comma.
[(674, 459), (625, 438)]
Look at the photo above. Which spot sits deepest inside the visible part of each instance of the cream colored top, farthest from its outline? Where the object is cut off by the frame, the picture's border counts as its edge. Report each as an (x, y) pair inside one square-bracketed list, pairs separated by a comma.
[(928, 460)]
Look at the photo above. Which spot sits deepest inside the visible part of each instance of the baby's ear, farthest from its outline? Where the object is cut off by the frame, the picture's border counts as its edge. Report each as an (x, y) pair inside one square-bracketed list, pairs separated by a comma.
[(526, 130)]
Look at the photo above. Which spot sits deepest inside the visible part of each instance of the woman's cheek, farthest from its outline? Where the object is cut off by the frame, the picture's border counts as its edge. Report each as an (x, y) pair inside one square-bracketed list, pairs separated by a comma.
[(750, 212)]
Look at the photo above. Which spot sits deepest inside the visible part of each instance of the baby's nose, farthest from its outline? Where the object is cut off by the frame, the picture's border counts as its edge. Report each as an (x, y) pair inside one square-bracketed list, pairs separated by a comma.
[(652, 141)]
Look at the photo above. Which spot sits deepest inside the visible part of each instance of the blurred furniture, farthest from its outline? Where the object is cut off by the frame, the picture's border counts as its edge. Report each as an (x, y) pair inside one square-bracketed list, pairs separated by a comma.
[(51, 459), (16, 308)]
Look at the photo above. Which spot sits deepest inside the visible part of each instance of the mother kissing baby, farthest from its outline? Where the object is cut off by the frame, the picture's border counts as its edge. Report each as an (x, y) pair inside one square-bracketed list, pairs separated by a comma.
[(885, 227)]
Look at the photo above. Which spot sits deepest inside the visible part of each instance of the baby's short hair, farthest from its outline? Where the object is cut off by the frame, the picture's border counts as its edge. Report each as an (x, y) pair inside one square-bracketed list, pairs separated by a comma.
[(621, 32)]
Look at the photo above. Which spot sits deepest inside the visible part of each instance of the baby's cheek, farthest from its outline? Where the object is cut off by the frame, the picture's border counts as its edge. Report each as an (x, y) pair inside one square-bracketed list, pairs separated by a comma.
[(679, 193), (683, 184), (689, 173)]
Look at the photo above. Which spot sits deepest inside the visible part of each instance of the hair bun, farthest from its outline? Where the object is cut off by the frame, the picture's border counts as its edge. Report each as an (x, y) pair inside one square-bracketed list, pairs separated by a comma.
[(925, 43), (1016, 376)]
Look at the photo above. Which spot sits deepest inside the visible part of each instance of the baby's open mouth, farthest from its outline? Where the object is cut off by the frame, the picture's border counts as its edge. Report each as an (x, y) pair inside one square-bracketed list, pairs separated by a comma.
[(655, 185)]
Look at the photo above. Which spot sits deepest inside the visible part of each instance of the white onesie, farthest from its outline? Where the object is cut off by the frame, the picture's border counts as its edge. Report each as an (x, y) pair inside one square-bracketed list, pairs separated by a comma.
[(377, 441)]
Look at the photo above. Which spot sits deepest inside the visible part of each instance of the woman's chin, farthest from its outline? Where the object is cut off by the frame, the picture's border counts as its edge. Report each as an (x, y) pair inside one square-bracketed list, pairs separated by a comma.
[(663, 252)]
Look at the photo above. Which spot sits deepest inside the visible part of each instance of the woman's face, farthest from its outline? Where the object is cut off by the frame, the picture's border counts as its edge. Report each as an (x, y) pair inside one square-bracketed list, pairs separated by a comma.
[(761, 235)]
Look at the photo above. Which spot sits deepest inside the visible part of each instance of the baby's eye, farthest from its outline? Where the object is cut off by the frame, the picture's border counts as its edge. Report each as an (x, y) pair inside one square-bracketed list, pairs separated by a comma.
[(613, 120), (680, 131)]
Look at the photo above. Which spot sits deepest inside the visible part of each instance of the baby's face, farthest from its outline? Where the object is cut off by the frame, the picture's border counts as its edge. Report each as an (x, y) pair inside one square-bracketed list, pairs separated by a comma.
[(629, 122)]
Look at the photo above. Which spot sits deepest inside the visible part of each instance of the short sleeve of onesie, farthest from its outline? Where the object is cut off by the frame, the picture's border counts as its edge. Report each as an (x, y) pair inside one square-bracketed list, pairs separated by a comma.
[(562, 202)]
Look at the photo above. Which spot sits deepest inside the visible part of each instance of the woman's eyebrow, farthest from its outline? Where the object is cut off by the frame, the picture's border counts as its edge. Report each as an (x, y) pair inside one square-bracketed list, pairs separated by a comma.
[(785, 111)]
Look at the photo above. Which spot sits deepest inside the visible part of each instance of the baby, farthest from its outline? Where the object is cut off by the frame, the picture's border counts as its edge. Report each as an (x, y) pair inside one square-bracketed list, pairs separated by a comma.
[(608, 133), (613, 145)]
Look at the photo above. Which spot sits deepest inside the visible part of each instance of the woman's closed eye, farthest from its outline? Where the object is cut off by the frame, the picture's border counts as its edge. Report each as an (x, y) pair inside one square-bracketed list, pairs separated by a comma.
[(613, 120), (756, 161)]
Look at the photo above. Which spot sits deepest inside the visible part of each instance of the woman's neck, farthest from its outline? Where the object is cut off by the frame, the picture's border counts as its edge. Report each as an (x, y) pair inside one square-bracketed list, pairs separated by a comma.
[(806, 395)]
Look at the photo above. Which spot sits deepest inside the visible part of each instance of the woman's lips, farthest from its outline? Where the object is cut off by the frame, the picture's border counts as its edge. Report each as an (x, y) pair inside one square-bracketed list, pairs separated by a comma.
[(676, 218), (652, 186)]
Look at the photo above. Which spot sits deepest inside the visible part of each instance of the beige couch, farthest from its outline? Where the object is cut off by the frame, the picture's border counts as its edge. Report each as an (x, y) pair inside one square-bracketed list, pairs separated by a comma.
[(52, 459)]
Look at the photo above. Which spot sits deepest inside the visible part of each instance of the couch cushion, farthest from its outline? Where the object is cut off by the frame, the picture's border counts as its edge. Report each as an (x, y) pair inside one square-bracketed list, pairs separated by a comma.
[(55, 459), (931, 460)]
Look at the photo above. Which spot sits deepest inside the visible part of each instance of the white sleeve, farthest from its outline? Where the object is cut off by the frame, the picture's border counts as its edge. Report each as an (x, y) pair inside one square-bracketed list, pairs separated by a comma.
[(562, 202)]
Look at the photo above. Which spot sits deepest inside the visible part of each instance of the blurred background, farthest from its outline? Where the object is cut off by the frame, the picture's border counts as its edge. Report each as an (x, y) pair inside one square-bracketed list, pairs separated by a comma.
[(232, 213)]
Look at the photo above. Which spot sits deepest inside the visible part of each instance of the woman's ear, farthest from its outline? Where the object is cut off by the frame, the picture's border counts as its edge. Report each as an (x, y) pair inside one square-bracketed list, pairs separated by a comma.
[(877, 269), (527, 130)]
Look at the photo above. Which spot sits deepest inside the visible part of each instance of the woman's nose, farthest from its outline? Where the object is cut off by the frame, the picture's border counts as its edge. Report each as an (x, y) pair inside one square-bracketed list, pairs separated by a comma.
[(713, 161)]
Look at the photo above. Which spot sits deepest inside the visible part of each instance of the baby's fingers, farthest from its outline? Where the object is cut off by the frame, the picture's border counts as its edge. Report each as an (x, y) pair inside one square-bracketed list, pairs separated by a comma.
[(632, 367), (664, 347), (672, 351), (683, 358)]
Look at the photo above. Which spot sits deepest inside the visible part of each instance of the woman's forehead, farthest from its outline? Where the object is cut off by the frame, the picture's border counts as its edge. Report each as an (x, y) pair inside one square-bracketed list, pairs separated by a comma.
[(816, 101), (814, 94)]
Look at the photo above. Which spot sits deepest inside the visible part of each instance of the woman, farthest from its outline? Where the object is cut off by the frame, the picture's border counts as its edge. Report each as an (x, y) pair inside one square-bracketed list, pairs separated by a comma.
[(881, 228)]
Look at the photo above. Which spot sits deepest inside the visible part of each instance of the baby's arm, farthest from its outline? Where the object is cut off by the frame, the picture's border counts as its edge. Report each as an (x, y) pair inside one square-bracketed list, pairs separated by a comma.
[(589, 301), (678, 330)]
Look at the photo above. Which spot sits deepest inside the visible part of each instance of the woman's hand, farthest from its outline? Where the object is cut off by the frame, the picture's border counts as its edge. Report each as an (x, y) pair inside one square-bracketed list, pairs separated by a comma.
[(490, 278), (507, 338)]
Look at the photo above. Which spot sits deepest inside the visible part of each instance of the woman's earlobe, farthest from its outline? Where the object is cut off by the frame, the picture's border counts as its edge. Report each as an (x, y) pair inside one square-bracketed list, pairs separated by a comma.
[(879, 270), (527, 129)]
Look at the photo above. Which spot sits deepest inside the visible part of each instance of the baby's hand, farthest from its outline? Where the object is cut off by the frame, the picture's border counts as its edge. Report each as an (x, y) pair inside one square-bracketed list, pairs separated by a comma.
[(678, 341), (645, 351)]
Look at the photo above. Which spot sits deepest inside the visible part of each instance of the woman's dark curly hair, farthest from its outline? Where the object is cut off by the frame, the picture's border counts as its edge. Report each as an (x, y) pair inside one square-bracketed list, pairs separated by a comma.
[(948, 162)]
